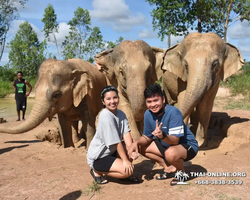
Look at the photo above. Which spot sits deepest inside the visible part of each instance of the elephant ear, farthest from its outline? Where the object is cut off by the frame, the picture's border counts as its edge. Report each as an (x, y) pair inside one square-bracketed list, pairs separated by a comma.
[(82, 85), (173, 62), (233, 61), (102, 60), (159, 56)]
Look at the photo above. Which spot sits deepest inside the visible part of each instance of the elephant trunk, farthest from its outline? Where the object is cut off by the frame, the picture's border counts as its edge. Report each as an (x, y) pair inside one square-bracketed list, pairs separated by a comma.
[(135, 92), (198, 83), (38, 114)]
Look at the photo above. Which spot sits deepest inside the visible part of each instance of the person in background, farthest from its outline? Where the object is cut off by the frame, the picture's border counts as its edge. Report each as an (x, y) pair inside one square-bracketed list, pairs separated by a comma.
[(19, 86), (107, 152)]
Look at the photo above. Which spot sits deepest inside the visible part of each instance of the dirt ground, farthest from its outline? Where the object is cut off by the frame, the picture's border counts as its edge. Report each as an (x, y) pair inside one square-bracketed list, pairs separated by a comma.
[(34, 169)]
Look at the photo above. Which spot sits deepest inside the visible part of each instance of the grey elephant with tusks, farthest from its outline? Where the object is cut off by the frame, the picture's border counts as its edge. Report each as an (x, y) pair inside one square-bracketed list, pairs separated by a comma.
[(193, 70), (71, 89)]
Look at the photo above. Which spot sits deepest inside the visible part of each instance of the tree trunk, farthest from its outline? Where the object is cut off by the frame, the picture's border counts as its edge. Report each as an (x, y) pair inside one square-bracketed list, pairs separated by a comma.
[(56, 46), (229, 8)]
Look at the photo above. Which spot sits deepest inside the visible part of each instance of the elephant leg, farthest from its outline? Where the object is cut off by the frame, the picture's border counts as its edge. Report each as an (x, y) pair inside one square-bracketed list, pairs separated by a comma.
[(65, 130), (90, 130), (88, 127), (203, 114), (140, 126), (75, 135)]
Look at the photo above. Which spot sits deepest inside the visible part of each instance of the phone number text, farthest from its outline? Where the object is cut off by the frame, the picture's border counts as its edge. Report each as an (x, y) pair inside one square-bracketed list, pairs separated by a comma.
[(219, 182)]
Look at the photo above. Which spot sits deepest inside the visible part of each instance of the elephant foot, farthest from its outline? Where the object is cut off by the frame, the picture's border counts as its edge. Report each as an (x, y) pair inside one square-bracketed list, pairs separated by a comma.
[(202, 143), (76, 139)]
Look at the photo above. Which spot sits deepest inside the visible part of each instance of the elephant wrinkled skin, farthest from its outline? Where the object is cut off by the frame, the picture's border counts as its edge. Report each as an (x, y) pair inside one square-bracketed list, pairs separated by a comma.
[(130, 68), (70, 89), (193, 70)]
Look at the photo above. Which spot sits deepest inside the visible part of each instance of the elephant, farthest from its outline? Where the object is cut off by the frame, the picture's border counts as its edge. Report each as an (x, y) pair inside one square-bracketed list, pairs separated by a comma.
[(71, 89), (129, 66), (191, 72)]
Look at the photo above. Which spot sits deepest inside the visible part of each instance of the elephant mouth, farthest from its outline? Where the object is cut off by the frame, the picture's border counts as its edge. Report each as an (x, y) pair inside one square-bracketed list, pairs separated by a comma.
[(51, 113)]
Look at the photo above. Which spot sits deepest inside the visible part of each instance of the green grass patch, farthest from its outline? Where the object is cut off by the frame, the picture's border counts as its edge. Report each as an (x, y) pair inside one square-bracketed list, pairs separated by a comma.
[(241, 104), (92, 189), (5, 88), (239, 84)]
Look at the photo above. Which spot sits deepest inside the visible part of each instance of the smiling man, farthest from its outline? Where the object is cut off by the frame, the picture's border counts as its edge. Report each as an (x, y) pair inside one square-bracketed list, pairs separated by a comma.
[(166, 139)]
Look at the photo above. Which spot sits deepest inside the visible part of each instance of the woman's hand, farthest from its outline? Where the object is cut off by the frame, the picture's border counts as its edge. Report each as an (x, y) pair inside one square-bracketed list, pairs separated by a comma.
[(128, 167)]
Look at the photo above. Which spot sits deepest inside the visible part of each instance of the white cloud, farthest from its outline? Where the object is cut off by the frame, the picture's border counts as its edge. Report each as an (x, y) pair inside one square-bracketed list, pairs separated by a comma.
[(116, 14), (240, 30), (147, 34), (60, 36), (15, 27)]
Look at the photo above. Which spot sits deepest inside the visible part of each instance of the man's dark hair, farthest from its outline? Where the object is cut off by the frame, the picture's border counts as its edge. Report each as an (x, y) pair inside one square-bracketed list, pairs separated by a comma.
[(152, 90), (19, 72)]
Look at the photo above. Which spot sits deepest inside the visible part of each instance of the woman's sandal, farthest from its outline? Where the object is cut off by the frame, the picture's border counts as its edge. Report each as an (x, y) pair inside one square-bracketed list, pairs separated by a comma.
[(99, 179), (165, 175)]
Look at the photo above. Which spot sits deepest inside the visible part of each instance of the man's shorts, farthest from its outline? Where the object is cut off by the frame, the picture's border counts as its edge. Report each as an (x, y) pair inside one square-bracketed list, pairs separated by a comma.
[(104, 164), (190, 151), (21, 105)]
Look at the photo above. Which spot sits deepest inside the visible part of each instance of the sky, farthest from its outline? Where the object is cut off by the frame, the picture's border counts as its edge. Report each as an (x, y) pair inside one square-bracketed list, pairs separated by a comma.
[(130, 19)]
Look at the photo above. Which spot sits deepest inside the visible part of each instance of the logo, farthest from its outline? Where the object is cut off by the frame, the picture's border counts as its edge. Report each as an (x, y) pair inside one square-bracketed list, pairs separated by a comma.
[(164, 127), (181, 177)]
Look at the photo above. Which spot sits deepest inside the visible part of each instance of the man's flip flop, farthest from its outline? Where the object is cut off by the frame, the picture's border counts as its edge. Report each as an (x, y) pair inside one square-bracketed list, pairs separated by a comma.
[(175, 181), (99, 179), (165, 175)]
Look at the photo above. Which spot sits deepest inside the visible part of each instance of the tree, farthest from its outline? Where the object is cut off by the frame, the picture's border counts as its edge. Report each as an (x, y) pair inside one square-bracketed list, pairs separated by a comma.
[(50, 25), (8, 13), (176, 17), (26, 52), (83, 41), (113, 44), (228, 12), (79, 30)]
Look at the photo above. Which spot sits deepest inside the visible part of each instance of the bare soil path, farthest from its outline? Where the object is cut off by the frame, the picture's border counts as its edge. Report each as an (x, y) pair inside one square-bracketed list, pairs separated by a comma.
[(33, 169)]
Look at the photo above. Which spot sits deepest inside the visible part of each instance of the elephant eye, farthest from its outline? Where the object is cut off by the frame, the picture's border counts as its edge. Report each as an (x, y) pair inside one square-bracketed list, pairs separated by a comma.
[(215, 65), (57, 95), (121, 71), (186, 66)]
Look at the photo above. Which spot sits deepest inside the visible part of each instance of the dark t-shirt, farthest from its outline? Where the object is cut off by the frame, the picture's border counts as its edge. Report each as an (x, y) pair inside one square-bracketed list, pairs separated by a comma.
[(20, 90)]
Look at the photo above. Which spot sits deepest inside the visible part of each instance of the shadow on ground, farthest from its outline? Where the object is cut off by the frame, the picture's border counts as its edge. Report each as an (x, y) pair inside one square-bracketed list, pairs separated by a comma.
[(72, 196), (11, 148)]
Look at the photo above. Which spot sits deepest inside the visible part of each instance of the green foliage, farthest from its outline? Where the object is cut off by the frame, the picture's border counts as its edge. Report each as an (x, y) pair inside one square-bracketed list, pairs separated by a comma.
[(113, 44), (6, 88), (26, 52), (176, 17), (8, 13), (240, 83), (50, 24), (49, 20), (7, 73), (83, 41)]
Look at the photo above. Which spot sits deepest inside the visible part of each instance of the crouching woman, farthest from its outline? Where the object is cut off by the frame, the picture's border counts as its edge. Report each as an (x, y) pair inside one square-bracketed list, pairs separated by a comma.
[(107, 154)]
